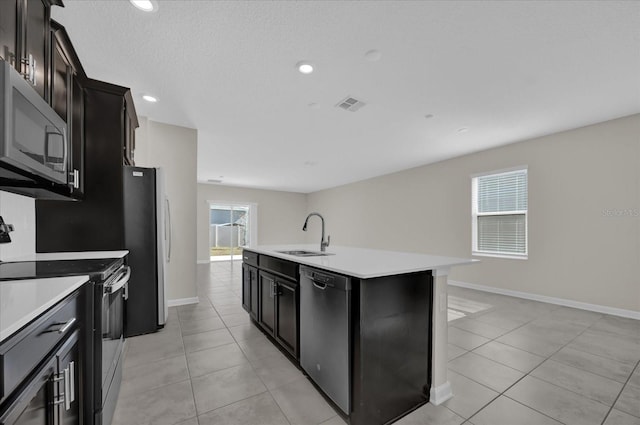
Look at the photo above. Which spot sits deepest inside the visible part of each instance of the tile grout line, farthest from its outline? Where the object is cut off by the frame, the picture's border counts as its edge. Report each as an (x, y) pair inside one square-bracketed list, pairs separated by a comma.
[(236, 342), (620, 393), (527, 374)]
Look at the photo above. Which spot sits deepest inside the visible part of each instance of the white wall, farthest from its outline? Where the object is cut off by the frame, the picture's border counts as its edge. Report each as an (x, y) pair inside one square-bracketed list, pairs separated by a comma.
[(576, 251), (21, 212), (280, 214), (175, 149)]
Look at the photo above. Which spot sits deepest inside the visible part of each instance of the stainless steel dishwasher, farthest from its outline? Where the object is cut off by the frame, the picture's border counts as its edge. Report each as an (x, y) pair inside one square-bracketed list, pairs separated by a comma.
[(324, 332)]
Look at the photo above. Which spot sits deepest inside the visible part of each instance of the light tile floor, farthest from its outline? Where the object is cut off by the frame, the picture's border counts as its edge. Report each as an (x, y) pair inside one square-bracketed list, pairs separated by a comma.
[(512, 362)]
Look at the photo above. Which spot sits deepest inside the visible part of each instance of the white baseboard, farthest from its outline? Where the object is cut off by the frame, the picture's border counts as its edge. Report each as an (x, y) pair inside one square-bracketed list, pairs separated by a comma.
[(551, 300), (440, 394), (203, 261), (183, 301)]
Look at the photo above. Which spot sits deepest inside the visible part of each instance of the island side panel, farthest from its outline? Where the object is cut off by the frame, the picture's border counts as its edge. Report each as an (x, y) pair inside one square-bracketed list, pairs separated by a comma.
[(391, 346), (440, 387)]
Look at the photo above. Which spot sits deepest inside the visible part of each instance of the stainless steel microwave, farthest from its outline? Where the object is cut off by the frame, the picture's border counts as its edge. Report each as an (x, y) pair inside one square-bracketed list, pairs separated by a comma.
[(33, 136)]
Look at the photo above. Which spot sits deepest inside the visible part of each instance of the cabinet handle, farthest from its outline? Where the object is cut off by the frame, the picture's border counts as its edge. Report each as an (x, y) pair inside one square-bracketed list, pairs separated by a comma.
[(75, 179), (72, 381), (67, 389), (30, 73), (58, 400), (67, 325)]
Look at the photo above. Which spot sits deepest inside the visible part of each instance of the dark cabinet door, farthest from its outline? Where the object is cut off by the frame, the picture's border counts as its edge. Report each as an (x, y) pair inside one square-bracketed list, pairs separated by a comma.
[(267, 310), (69, 408), (35, 55), (129, 140), (8, 30), (35, 405), (246, 287), (250, 290), (286, 310), (77, 136), (61, 74), (253, 284), (52, 393), (66, 95)]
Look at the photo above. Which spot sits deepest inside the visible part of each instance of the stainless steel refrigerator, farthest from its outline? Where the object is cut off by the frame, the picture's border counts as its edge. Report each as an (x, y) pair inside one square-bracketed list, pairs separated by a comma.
[(147, 234)]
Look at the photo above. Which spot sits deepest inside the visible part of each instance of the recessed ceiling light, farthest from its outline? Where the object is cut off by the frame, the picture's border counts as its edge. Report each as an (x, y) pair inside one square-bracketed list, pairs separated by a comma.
[(463, 130), (313, 105), (305, 67), (373, 55), (145, 5), (149, 98), (428, 116)]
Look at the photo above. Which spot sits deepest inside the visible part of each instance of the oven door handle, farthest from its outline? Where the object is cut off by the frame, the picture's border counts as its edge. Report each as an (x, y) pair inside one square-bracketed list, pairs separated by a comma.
[(116, 286)]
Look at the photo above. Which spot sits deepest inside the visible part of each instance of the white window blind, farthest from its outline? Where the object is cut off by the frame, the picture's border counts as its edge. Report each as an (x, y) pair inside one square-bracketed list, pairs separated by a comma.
[(500, 213)]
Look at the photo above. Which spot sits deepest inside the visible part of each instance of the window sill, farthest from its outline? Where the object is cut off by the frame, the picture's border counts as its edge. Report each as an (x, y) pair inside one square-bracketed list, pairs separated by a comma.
[(500, 255)]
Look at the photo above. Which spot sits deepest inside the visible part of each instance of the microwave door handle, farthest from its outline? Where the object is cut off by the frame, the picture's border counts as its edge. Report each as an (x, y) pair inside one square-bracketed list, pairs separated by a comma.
[(50, 130)]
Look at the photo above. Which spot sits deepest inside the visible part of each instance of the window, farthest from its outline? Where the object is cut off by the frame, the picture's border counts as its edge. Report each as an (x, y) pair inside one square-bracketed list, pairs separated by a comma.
[(499, 214)]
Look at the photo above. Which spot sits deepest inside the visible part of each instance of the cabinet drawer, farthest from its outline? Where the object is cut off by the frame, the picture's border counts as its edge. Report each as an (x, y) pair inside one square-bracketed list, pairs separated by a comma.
[(282, 267), (250, 258), (21, 353)]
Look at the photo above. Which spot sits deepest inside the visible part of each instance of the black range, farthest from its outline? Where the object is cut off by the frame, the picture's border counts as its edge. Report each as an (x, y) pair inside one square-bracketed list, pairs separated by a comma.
[(97, 268), (103, 319)]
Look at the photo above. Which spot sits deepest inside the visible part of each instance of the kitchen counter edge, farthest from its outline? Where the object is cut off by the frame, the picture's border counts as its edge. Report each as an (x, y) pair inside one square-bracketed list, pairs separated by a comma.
[(364, 263), (25, 307)]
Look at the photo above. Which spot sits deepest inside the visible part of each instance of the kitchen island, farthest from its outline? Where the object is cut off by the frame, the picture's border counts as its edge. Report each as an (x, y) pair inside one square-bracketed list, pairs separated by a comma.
[(396, 328)]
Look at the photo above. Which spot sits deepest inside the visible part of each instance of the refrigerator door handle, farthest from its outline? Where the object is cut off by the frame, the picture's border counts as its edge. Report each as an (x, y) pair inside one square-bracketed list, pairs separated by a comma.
[(168, 232)]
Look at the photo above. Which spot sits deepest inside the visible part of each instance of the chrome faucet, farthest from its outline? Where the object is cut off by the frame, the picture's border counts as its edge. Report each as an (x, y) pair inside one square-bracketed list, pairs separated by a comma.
[(323, 244)]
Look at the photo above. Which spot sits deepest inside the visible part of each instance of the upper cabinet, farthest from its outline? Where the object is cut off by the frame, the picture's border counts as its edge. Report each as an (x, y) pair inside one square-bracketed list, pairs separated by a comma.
[(66, 97), (25, 39), (131, 123), (33, 57), (49, 164), (8, 30)]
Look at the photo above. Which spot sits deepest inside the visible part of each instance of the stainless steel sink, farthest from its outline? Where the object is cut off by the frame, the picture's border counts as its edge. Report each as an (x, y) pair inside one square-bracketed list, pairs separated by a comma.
[(302, 253)]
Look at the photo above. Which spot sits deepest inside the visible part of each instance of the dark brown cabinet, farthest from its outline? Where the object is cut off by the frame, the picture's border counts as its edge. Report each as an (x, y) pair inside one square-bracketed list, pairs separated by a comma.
[(266, 295), (40, 378), (61, 225), (34, 59), (286, 315), (250, 290), (8, 30), (25, 39), (67, 99), (277, 300), (129, 143)]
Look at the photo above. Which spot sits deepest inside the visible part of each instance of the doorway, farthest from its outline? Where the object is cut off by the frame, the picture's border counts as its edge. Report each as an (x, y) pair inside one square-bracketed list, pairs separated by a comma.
[(231, 227)]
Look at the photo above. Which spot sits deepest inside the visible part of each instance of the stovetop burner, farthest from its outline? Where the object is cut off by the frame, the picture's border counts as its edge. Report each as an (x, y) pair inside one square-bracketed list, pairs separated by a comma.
[(98, 269)]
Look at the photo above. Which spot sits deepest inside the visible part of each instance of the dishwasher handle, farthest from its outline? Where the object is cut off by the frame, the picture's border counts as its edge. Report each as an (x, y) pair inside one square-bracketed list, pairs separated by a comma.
[(319, 285)]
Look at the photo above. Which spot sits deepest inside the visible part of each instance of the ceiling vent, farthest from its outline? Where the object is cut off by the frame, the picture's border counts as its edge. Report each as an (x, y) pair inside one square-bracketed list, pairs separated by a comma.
[(350, 104), (214, 181)]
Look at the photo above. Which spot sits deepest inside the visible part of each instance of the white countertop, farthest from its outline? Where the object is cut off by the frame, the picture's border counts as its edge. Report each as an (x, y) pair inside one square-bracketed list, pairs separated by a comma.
[(364, 263), (82, 255), (21, 301)]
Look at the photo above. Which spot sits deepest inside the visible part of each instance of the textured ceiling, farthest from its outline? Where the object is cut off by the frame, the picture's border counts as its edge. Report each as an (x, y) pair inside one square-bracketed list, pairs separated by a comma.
[(507, 71)]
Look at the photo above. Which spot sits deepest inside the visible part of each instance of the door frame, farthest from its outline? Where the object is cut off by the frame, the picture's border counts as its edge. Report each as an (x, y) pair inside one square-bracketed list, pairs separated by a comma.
[(253, 222)]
